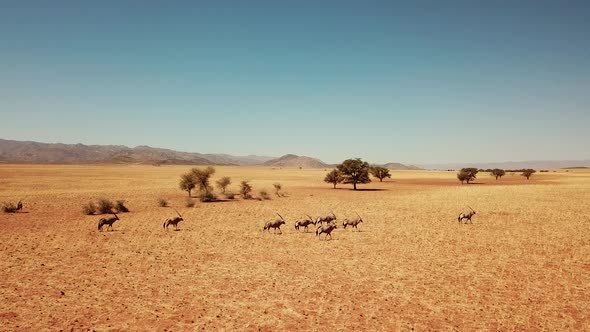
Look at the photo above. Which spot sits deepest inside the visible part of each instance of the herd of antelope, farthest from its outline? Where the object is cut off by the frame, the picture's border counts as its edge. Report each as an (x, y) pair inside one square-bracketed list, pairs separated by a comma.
[(324, 224)]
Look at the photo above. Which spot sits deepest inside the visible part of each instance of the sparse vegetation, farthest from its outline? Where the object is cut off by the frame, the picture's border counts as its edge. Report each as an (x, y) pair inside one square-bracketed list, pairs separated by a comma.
[(229, 195), (187, 183), (334, 177), (208, 197), (354, 171), (202, 177), (162, 202), (528, 172), (89, 209), (120, 207), (223, 183), (189, 203), (380, 172), (105, 206), (498, 173), (264, 195), (9, 207), (245, 190), (467, 174), (278, 188)]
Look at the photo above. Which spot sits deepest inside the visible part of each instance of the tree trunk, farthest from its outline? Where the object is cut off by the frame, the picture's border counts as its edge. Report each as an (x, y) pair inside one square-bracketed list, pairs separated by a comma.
[(354, 185), (334, 186), (380, 179), (189, 194)]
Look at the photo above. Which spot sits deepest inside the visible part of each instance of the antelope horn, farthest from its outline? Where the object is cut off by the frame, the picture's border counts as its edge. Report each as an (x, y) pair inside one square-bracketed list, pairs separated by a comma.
[(310, 218), (470, 208), (177, 212), (358, 215), (283, 219)]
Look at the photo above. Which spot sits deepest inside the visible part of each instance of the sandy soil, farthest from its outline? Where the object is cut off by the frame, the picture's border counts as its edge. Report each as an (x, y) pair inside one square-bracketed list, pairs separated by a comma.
[(522, 265)]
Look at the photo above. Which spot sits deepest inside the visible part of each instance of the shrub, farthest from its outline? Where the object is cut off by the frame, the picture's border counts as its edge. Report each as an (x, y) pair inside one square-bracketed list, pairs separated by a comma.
[(162, 202), (245, 190), (278, 188), (105, 206), (229, 195), (189, 203), (89, 209), (223, 183), (208, 197), (8, 207), (120, 206), (264, 195)]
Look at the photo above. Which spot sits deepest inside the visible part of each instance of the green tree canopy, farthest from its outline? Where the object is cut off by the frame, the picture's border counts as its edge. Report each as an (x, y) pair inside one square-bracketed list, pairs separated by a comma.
[(334, 177), (354, 171), (380, 172), (498, 173)]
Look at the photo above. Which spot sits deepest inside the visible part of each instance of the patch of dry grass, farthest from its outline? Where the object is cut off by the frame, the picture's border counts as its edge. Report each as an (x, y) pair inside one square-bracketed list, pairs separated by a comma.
[(522, 265)]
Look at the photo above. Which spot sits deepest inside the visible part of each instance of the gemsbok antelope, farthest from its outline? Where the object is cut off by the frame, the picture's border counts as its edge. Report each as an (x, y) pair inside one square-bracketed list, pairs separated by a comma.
[(276, 224), (352, 222), (327, 229), (107, 221), (327, 218), (304, 223), (173, 221), (466, 216)]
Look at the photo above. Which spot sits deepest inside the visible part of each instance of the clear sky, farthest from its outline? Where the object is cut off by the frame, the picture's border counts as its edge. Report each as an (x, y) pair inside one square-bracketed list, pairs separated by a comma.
[(413, 81)]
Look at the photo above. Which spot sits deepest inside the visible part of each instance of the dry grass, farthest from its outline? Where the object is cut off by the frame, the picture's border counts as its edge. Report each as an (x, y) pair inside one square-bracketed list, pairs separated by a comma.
[(522, 265)]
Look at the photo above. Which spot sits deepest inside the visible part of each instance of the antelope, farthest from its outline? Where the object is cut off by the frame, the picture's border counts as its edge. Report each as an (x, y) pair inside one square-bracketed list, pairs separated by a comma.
[(467, 215), (304, 223), (19, 206), (173, 221), (328, 218), (326, 229), (352, 222), (107, 221), (276, 224)]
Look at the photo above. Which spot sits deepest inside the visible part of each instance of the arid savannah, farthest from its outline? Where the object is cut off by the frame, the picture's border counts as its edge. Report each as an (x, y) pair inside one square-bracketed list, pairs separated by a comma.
[(523, 264)]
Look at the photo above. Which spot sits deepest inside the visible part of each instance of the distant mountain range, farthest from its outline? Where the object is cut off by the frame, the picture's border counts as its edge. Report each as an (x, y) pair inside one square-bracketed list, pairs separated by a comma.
[(398, 166), (34, 152), (534, 164)]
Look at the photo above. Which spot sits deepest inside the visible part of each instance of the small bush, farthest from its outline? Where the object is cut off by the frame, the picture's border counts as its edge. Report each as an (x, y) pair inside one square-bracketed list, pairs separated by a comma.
[(89, 209), (162, 202), (278, 188), (245, 190), (229, 195), (105, 206), (264, 195), (208, 197), (120, 207), (189, 203), (8, 207)]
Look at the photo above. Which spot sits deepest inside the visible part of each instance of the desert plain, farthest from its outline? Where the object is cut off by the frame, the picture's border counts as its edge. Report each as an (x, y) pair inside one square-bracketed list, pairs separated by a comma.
[(523, 264)]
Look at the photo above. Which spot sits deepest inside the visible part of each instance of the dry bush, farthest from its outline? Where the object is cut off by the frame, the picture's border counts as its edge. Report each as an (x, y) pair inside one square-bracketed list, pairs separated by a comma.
[(162, 202), (208, 197), (9, 207), (89, 209), (229, 195), (189, 203), (245, 190), (264, 195), (120, 207), (105, 206)]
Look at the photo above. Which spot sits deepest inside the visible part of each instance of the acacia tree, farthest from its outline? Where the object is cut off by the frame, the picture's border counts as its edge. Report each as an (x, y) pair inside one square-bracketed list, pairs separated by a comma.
[(528, 172), (469, 174), (354, 171), (187, 183), (245, 190), (202, 177), (462, 177), (498, 173), (334, 177), (380, 172), (223, 183)]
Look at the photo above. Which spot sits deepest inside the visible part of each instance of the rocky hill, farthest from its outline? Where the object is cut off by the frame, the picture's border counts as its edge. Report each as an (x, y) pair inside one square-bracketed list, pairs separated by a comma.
[(291, 160)]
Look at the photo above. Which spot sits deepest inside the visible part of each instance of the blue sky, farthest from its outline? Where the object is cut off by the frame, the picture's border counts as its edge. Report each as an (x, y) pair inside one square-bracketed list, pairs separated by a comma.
[(414, 81)]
